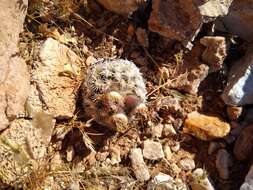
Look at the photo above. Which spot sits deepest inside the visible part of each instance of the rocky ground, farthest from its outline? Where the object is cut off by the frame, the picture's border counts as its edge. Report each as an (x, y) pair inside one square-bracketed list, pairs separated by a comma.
[(193, 128)]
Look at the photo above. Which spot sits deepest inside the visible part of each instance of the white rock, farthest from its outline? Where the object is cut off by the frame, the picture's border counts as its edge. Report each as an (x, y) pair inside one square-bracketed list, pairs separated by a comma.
[(187, 164), (200, 181), (168, 130), (175, 147), (167, 152), (156, 130), (70, 153), (239, 91), (139, 167), (152, 150), (248, 183)]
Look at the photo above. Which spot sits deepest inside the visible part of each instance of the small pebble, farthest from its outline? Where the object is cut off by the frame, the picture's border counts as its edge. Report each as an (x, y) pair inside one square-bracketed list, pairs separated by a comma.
[(167, 152), (234, 112), (70, 153), (187, 164), (200, 181), (152, 150), (168, 130), (139, 167), (175, 147)]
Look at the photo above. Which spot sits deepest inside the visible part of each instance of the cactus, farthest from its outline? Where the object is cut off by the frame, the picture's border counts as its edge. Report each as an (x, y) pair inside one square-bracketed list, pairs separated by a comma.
[(112, 91)]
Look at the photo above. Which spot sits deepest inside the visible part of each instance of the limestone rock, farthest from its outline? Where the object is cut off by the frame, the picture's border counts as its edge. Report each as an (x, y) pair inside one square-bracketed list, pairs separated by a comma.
[(123, 7), (55, 81), (205, 127), (152, 150), (239, 20), (215, 8), (20, 146), (239, 91), (200, 181), (14, 77), (243, 148), (248, 183), (215, 52), (178, 20), (139, 167), (187, 164)]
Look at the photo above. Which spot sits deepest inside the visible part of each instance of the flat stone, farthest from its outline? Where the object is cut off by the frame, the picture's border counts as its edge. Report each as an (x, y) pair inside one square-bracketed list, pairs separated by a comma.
[(205, 127), (152, 150), (243, 149), (139, 167), (14, 76), (55, 81), (20, 146), (239, 91), (215, 52), (239, 20), (184, 19), (215, 8)]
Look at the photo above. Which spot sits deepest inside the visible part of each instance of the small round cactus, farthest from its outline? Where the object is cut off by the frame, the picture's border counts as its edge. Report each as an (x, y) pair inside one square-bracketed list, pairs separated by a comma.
[(112, 91)]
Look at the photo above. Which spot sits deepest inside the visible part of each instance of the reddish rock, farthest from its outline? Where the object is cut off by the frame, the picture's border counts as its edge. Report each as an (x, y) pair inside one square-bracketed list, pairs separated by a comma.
[(179, 20), (14, 77), (243, 148)]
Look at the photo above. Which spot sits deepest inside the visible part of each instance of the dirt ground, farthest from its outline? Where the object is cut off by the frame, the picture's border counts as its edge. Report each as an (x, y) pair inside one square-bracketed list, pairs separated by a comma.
[(98, 33)]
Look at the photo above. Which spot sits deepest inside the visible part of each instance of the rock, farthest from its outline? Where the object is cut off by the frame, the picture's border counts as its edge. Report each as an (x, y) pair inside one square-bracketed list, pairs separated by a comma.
[(175, 146), (243, 149), (239, 91), (248, 182), (55, 81), (123, 7), (115, 155), (214, 146), (142, 37), (187, 164), (152, 150), (167, 152), (215, 8), (160, 181), (240, 19), (223, 162), (139, 167), (191, 72), (234, 112), (70, 153), (168, 130), (200, 181), (215, 51), (156, 130), (14, 75), (185, 19), (205, 127), (20, 146)]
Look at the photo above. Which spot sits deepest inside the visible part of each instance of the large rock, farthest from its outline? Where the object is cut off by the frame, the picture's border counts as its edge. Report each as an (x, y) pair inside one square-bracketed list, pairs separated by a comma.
[(152, 150), (55, 81), (182, 20), (14, 77), (205, 127), (20, 146), (239, 91), (240, 19), (243, 148), (179, 20), (123, 7)]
